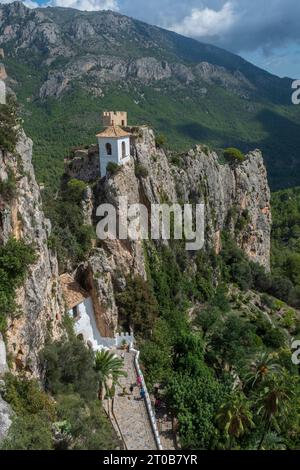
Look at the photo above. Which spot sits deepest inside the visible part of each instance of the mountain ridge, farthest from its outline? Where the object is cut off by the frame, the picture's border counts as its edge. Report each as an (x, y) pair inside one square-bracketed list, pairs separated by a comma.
[(70, 65)]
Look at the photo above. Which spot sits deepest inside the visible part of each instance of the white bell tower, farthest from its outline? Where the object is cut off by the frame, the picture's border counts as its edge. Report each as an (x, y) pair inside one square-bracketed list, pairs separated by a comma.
[(114, 146)]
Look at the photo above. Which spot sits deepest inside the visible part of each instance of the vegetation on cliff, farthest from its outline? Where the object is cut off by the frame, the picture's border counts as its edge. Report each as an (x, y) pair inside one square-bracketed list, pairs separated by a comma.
[(66, 414), (221, 365), (70, 237), (15, 258), (9, 121)]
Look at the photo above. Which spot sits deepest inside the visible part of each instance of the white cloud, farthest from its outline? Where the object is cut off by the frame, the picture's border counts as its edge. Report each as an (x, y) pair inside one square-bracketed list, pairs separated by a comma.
[(87, 5), (27, 3), (31, 4), (206, 21)]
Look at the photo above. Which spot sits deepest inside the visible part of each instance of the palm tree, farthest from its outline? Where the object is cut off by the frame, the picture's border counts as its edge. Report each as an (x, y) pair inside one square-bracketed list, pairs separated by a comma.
[(263, 365), (274, 399), (109, 369), (235, 417)]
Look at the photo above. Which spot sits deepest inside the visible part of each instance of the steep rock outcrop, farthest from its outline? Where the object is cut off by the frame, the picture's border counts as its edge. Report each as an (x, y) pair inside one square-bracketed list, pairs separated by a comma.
[(6, 415), (39, 299), (236, 199), (3, 360)]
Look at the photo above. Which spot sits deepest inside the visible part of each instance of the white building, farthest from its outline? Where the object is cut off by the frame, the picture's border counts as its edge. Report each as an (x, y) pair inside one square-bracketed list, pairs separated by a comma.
[(114, 146), (80, 308)]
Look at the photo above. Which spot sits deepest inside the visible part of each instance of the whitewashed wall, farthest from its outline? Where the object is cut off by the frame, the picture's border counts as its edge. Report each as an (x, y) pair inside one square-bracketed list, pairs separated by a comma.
[(116, 156)]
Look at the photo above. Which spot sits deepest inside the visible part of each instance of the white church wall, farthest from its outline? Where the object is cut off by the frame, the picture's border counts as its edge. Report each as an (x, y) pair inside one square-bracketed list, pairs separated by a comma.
[(124, 159), (116, 152), (85, 325)]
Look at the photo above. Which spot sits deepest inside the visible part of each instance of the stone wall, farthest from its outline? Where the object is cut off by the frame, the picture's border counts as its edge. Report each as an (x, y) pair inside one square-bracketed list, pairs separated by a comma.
[(84, 164)]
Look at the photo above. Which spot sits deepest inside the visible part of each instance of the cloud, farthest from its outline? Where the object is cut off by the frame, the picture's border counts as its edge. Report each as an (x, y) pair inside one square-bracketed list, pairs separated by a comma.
[(242, 25), (30, 4), (88, 5), (205, 22)]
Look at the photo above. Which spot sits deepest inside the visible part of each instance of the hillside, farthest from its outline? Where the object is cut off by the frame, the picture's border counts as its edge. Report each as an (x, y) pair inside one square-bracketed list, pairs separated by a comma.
[(214, 326), (66, 66)]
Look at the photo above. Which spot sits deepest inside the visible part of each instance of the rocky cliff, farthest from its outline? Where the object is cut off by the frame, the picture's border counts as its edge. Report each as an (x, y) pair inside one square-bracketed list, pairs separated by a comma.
[(236, 199), (39, 299)]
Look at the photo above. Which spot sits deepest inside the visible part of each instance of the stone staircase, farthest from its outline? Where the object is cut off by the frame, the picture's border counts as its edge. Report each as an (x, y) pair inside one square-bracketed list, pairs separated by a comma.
[(130, 411)]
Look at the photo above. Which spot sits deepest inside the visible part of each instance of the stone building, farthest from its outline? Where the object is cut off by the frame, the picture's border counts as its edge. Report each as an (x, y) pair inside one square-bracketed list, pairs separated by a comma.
[(114, 118), (81, 309)]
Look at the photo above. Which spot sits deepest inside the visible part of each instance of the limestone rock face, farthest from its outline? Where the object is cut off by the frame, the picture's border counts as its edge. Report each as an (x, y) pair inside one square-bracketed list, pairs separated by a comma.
[(84, 164), (236, 199), (39, 299), (5, 418), (3, 362)]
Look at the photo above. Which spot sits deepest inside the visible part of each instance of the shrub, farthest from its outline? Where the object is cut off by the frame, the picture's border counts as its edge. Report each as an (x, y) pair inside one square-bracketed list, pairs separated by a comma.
[(74, 190), (176, 160), (274, 338), (233, 155), (137, 305), (141, 171), (29, 432), (15, 257), (8, 187), (160, 140), (26, 397), (112, 168), (9, 125), (69, 368), (242, 221), (267, 301), (89, 427)]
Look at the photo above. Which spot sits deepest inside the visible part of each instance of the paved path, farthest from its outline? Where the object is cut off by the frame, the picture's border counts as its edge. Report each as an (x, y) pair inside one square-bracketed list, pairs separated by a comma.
[(131, 412)]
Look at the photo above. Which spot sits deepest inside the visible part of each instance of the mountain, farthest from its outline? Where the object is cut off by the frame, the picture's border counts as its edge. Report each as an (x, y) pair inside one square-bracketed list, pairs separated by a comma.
[(214, 327), (66, 66)]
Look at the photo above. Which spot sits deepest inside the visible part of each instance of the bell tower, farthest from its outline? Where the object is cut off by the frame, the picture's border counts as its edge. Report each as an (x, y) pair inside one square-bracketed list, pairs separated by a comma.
[(114, 142)]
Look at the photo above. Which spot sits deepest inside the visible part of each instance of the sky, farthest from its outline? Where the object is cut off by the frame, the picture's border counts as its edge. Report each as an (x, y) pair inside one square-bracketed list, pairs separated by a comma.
[(265, 32)]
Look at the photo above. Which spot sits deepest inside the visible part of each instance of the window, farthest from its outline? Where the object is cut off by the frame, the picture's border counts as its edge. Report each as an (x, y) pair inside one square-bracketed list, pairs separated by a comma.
[(123, 150), (108, 149), (123, 123)]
